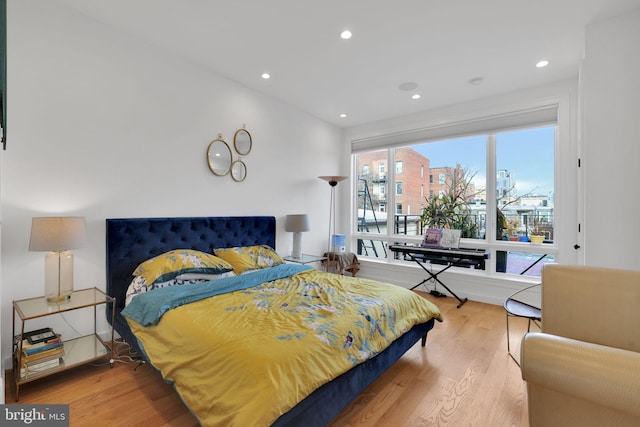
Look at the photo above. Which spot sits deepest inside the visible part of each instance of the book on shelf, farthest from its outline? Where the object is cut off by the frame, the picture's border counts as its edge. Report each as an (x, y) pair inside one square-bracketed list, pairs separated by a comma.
[(41, 346), (28, 369), (39, 335), (41, 356)]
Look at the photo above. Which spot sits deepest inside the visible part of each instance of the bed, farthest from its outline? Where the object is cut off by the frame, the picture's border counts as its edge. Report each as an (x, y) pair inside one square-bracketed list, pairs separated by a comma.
[(131, 241)]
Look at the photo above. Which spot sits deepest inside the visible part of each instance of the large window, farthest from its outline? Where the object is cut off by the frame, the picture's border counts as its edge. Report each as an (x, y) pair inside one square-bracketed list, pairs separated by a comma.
[(497, 187)]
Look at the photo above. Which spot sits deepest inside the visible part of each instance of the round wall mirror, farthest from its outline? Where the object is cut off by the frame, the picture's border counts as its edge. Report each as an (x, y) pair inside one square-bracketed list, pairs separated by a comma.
[(242, 142), (219, 157), (238, 171)]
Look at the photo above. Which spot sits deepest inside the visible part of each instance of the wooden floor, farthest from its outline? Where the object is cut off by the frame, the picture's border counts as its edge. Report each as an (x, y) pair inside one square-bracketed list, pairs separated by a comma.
[(463, 377)]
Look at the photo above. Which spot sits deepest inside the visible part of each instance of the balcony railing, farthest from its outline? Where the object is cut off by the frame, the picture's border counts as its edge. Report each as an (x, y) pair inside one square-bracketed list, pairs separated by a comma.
[(410, 225)]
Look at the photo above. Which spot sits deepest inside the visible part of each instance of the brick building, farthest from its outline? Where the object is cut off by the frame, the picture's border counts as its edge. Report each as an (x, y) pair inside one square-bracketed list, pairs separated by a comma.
[(411, 172), (415, 180)]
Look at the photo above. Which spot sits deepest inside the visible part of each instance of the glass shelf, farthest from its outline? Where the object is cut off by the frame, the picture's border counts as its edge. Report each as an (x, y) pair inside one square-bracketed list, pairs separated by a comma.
[(304, 259), (33, 308), (77, 351)]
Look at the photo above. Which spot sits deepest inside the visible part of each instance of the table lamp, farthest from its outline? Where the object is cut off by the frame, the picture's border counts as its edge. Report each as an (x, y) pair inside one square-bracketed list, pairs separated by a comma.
[(297, 224), (58, 235)]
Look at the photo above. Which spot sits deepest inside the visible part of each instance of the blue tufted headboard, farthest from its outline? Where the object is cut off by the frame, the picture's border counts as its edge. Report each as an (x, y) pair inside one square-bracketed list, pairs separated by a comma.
[(131, 241)]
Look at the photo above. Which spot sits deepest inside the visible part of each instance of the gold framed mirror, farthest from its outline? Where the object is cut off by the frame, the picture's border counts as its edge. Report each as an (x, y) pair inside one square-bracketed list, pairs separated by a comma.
[(219, 157), (242, 141), (238, 171)]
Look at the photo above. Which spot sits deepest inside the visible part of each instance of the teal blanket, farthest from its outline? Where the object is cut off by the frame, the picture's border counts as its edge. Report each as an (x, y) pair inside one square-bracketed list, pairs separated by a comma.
[(148, 308)]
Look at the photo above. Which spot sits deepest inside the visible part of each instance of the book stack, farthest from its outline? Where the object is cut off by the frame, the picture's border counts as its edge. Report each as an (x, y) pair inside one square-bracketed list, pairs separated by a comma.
[(41, 350)]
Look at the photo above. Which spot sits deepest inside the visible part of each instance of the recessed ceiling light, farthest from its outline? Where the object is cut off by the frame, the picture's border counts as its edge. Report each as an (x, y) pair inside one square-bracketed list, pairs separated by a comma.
[(415, 96), (542, 63), (346, 34), (343, 115), (265, 76)]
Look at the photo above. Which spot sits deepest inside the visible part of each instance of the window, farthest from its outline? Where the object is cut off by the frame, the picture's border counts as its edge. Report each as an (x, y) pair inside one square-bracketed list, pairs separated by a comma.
[(501, 185), (398, 167)]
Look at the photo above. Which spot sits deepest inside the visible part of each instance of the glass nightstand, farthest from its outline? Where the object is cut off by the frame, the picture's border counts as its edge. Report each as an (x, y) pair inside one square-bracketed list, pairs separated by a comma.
[(305, 259), (77, 351)]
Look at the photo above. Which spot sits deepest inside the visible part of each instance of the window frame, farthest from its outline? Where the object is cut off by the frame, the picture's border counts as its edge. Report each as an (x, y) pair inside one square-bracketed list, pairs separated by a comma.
[(563, 97)]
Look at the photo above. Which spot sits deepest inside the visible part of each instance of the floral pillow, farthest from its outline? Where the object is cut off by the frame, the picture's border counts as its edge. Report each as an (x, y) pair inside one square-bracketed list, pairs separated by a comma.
[(246, 258), (169, 265), (139, 284)]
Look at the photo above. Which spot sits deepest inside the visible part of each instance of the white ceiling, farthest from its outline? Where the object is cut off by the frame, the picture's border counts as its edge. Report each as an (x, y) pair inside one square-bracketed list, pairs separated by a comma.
[(439, 44)]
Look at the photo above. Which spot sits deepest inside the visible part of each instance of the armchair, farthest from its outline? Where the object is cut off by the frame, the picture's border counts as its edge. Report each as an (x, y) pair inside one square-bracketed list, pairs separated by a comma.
[(583, 369)]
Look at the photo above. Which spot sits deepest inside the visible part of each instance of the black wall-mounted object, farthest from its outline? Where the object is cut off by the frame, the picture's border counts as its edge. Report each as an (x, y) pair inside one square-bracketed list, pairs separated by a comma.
[(3, 72)]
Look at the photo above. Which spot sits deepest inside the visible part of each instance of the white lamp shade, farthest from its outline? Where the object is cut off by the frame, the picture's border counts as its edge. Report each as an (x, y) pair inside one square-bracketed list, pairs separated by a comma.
[(57, 233), (297, 223)]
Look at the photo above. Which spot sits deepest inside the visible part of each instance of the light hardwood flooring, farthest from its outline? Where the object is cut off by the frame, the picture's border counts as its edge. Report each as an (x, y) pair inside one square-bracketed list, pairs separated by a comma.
[(463, 377)]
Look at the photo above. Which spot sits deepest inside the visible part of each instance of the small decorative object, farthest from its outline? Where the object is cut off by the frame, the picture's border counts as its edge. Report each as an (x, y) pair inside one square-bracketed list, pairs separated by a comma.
[(58, 235), (337, 243), (432, 238), (238, 171), (242, 141), (297, 224), (450, 238), (536, 238), (536, 225), (219, 156)]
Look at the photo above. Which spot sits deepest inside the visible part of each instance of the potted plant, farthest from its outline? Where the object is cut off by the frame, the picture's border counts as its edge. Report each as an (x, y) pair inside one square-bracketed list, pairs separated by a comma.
[(513, 225), (451, 209), (536, 232)]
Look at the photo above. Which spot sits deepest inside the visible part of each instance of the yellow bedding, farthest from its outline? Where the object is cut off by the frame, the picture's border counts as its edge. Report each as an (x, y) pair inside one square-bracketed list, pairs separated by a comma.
[(246, 357)]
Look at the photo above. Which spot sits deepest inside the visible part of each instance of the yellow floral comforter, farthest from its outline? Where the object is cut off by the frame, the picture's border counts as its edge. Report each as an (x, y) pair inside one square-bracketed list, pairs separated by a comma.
[(245, 357)]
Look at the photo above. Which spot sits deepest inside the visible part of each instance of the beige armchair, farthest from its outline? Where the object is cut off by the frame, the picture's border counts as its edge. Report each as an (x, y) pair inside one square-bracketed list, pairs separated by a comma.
[(583, 369)]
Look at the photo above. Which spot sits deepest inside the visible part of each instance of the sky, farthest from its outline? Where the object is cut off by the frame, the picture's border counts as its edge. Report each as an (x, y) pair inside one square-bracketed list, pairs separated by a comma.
[(527, 154)]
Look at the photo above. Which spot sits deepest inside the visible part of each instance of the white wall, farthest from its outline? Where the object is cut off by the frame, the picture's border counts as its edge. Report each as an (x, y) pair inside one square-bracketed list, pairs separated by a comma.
[(610, 103), (104, 125)]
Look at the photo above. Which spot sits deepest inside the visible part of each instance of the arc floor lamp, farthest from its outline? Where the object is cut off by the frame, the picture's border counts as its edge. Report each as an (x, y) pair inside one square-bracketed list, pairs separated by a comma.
[(333, 182)]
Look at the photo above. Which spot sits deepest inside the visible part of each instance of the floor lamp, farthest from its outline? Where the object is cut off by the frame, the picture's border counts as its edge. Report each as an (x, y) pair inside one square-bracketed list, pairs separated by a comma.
[(333, 181)]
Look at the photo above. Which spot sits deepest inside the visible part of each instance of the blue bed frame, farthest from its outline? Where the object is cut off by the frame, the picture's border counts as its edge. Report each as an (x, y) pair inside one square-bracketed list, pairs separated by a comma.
[(129, 241)]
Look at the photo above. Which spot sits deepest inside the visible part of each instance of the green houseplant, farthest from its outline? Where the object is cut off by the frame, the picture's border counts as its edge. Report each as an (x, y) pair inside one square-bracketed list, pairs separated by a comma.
[(451, 209)]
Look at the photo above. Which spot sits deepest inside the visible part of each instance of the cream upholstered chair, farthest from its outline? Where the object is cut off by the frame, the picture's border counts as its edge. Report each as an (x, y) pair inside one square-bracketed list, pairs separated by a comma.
[(583, 369)]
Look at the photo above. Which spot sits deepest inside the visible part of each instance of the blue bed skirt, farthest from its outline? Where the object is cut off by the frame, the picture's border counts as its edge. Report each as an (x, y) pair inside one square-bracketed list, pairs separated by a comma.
[(324, 404)]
